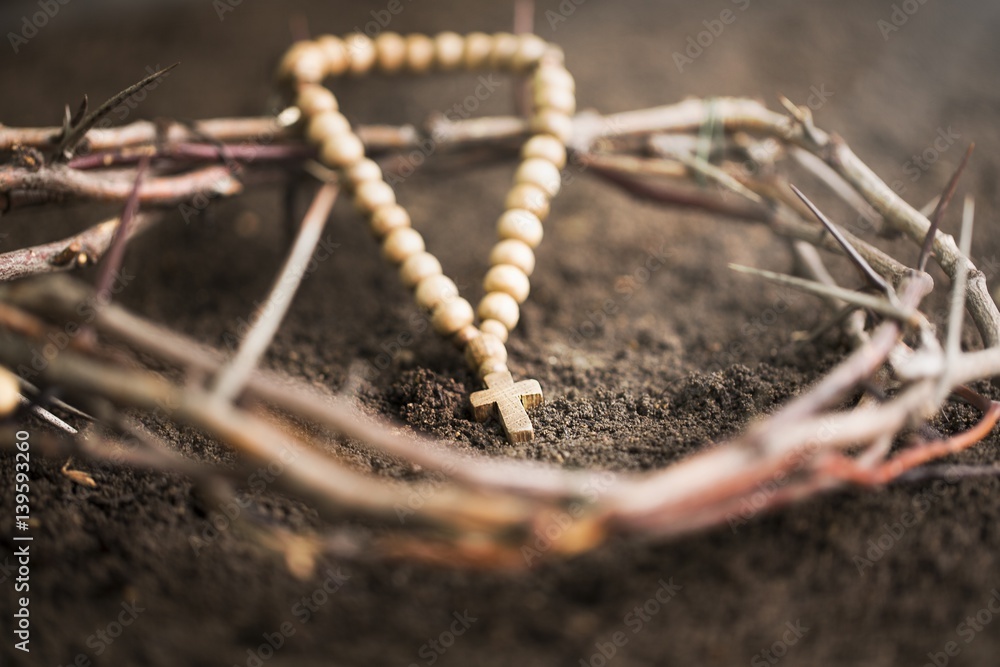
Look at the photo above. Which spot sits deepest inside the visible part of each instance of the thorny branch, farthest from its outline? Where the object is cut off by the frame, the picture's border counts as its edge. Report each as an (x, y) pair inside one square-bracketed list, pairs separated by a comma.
[(489, 509)]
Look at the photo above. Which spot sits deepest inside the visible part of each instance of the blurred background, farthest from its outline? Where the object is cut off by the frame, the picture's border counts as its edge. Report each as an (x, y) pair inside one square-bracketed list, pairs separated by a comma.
[(890, 77)]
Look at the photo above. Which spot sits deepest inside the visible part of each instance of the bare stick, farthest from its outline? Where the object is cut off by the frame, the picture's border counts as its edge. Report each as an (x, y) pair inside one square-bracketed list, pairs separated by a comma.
[(87, 247), (953, 342), (116, 252), (861, 300), (61, 183), (232, 378)]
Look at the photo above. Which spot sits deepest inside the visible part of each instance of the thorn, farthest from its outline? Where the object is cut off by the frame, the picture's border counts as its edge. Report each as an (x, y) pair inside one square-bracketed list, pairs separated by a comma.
[(869, 273), (927, 249), (47, 416), (74, 134), (80, 112)]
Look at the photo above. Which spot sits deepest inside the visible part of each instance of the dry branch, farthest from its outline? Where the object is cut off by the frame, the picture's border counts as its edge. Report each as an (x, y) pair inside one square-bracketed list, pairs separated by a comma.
[(486, 508)]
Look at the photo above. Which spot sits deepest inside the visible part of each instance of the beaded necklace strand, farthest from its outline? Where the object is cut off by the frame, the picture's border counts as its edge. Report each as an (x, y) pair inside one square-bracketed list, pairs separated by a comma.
[(519, 228)]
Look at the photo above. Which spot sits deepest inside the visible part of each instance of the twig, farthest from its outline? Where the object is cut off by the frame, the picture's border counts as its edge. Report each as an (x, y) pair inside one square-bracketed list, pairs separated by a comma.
[(116, 251), (82, 249), (859, 299), (953, 342), (60, 182), (232, 378)]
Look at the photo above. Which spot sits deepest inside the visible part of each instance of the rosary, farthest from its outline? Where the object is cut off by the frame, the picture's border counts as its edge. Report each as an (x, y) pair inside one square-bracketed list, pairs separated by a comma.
[(519, 228)]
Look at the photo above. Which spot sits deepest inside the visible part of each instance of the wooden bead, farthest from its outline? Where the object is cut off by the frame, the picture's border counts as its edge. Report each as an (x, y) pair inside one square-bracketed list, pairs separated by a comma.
[(435, 289), (372, 195), (390, 50), (553, 76), (509, 279), (363, 170), (419, 53), (387, 219), (305, 62), (361, 50), (496, 328), (530, 49), (556, 123), (521, 225), (452, 316), (514, 252), (530, 198), (418, 267), (557, 99), (465, 335), (341, 150), (325, 126), (539, 172), (553, 56), (335, 53), (402, 244), (500, 306), (478, 47), (504, 48), (448, 50), (314, 99), (491, 366), (485, 347), (10, 393), (546, 147)]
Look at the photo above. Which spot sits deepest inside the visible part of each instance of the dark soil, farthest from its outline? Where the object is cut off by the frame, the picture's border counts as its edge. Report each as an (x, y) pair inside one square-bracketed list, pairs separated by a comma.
[(639, 368)]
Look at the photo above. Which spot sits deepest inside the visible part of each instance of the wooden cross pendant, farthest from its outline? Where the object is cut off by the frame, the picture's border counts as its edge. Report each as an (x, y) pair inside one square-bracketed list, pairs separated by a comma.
[(509, 402)]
